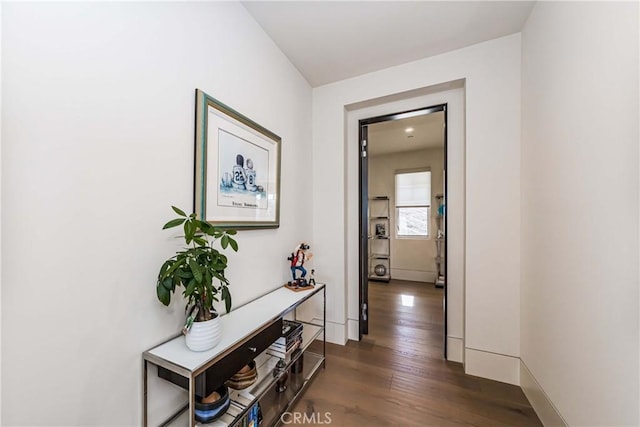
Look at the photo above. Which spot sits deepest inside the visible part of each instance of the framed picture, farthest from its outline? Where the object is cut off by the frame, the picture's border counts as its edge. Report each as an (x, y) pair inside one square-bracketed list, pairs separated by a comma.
[(237, 170)]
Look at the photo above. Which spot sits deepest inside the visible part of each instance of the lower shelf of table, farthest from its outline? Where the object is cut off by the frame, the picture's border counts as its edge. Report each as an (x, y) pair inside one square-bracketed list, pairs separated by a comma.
[(272, 403)]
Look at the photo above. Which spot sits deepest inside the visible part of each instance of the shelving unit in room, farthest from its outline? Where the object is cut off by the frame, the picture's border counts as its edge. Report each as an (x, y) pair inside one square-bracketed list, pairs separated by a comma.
[(379, 239), (243, 328), (440, 219)]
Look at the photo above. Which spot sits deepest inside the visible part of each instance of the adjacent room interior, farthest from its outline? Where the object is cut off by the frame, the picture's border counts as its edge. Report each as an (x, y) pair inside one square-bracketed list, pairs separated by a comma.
[(406, 231)]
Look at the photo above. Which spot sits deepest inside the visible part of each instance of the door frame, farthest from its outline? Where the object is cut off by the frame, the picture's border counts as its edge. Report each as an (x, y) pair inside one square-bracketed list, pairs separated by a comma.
[(363, 206)]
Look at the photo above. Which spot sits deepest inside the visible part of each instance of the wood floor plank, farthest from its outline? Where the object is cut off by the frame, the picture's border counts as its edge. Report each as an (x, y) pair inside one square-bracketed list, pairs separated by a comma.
[(397, 376)]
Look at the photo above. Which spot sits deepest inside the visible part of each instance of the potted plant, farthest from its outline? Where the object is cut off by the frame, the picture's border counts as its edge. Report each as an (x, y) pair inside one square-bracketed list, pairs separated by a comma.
[(199, 270)]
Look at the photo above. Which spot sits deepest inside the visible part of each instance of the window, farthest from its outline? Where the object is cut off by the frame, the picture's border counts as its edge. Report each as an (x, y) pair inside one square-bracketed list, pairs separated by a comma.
[(413, 201)]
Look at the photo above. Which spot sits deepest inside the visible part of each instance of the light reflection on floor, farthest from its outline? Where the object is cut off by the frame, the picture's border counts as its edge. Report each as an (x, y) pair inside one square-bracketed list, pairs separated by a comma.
[(406, 300)]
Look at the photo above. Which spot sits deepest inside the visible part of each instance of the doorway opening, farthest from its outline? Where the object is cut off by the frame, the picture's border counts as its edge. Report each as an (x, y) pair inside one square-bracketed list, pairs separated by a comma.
[(402, 224)]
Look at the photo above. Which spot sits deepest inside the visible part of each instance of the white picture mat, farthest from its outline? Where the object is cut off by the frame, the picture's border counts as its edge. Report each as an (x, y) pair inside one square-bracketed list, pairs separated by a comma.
[(214, 212), (253, 159)]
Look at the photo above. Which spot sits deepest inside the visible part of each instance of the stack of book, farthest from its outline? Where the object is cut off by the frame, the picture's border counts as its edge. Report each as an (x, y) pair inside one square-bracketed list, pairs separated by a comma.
[(253, 417), (289, 342), (240, 400)]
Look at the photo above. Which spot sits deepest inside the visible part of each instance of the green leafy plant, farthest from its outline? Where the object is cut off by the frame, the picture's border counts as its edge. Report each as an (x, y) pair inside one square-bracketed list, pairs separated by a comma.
[(199, 267)]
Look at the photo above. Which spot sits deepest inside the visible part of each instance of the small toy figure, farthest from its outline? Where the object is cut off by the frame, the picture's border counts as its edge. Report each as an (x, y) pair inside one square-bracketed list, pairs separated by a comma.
[(312, 280), (298, 258), (239, 177)]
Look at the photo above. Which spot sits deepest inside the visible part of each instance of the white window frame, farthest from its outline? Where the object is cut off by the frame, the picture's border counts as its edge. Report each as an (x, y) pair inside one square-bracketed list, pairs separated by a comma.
[(398, 208)]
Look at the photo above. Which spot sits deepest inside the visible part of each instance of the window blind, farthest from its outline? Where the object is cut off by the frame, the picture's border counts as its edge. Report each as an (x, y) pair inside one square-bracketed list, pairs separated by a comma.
[(413, 189)]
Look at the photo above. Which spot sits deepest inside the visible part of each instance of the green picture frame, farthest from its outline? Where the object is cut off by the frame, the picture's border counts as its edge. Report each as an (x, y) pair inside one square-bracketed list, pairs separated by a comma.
[(237, 168)]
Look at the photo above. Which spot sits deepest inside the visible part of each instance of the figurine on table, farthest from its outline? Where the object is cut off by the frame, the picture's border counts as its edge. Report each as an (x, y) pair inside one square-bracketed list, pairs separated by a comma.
[(312, 279), (298, 258)]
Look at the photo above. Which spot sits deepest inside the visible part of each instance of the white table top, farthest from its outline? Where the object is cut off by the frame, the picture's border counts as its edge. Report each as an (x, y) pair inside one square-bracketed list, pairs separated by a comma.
[(235, 327)]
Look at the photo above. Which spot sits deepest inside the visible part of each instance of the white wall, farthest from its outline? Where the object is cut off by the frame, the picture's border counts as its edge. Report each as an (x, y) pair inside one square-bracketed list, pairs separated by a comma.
[(580, 211), (97, 143), (0, 214), (411, 259), (492, 73)]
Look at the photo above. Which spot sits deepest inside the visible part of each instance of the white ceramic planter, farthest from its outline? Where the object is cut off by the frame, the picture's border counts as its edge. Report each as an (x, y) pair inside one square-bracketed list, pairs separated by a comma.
[(204, 335)]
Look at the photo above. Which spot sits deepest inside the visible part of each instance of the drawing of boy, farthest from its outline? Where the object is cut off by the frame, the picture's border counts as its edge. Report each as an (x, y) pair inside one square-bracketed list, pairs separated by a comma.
[(239, 177), (251, 176)]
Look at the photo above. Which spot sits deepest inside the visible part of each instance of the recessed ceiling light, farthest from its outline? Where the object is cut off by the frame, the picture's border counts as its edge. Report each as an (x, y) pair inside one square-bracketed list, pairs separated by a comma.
[(408, 130)]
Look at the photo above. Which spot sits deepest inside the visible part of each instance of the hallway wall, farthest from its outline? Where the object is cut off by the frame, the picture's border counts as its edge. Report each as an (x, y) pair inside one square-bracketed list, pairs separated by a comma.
[(98, 107), (579, 299), (491, 72)]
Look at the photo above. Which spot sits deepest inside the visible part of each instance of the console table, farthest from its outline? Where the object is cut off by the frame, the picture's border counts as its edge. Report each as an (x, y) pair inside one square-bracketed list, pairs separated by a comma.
[(247, 332)]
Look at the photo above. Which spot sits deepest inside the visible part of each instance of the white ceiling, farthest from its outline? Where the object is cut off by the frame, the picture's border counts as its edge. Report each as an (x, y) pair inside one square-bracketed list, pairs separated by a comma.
[(330, 41), (390, 136)]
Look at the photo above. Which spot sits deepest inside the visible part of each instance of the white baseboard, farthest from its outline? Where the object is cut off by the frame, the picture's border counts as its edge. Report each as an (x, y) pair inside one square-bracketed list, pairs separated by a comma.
[(413, 275), (539, 400), (353, 328), (493, 366), (336, 333), (455, 349)]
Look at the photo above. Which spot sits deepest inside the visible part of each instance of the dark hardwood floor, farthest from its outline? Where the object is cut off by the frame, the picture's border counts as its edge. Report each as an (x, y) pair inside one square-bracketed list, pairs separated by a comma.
[(397, 376)]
